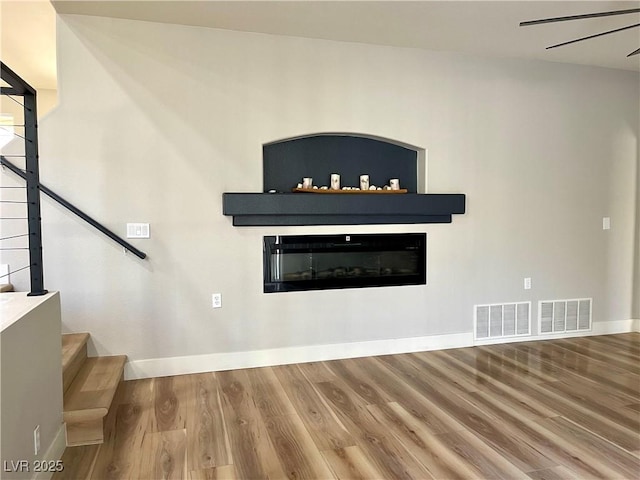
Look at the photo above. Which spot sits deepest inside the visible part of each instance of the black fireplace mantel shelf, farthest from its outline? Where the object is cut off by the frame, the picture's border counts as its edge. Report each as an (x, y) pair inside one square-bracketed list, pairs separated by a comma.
[(299, 209)]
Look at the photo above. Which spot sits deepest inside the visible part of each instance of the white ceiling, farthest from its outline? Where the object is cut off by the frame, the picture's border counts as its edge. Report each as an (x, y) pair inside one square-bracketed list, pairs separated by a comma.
[(475, 27)]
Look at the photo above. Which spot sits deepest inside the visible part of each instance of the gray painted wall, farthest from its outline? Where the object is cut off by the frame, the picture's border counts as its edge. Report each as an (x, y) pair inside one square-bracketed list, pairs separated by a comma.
[(156, 121)]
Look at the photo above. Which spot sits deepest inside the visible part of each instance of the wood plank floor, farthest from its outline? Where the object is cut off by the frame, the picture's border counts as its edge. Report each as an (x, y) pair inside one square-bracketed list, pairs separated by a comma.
[(541, 410)]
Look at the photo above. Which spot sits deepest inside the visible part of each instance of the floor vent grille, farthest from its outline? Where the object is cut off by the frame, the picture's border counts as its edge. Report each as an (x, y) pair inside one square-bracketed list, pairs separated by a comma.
[(501, 320), (557, 316)]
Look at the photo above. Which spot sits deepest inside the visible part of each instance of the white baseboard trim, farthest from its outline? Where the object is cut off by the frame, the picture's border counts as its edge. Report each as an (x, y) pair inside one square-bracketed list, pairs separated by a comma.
[(161, 367), (609, 328), (53, 454), (213, 362), (635, 325)]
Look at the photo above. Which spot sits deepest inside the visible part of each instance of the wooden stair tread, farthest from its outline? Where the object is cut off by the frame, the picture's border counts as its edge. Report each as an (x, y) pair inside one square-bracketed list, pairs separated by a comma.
[(93, 389), (72, 344)]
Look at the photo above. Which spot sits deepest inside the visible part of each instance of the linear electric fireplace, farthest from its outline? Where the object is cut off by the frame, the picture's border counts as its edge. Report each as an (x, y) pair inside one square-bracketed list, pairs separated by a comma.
[(319, 262)]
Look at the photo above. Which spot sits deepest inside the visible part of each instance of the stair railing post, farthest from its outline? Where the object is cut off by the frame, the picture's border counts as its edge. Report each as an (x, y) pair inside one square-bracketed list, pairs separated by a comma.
[(33, 194)]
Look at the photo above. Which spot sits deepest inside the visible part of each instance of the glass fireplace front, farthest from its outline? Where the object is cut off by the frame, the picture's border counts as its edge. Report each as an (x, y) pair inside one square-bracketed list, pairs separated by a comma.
[(318, 262)]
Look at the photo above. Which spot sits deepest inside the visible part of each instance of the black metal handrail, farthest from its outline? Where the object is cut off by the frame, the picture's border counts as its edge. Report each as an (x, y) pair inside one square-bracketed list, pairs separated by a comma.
[(72, 208)]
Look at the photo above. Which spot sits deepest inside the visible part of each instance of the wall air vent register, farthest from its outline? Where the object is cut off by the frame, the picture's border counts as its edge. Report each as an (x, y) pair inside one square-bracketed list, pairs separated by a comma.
[(559, 316), (501, 320)]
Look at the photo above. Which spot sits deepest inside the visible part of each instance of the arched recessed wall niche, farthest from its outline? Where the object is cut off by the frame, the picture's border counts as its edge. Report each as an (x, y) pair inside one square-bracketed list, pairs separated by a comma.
[(287, 161)]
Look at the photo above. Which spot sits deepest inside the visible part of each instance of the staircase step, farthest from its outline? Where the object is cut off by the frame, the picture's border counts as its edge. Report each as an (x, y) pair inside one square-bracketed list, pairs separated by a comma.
[(74, 353), (89, 397)]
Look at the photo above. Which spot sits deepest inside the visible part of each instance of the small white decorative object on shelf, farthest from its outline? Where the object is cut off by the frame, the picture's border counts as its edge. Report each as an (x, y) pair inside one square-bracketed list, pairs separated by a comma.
[(395, 184), (335, 181), (364, 182), (307, 182)]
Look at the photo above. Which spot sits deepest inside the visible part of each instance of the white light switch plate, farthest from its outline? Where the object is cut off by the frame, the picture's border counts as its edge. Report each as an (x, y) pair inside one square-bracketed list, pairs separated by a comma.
[(606, 223), (138, 230)]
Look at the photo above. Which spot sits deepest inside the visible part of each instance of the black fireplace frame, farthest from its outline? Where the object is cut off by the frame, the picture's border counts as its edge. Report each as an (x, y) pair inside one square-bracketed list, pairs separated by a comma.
[(416, 243)]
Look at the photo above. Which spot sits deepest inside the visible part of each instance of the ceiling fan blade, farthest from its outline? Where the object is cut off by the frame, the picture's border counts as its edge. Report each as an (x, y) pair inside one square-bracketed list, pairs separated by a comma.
[(594, 36), (579, 17), (635, 52)]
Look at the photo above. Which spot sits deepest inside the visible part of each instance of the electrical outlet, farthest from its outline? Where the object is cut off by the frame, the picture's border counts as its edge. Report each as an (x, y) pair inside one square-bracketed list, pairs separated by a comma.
[(606, 223), (527, 283), (216, 300), (36, 440)]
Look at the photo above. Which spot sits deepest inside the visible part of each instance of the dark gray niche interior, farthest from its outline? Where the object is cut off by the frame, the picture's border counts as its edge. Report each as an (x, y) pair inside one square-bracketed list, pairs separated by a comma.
[(286, 162)]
